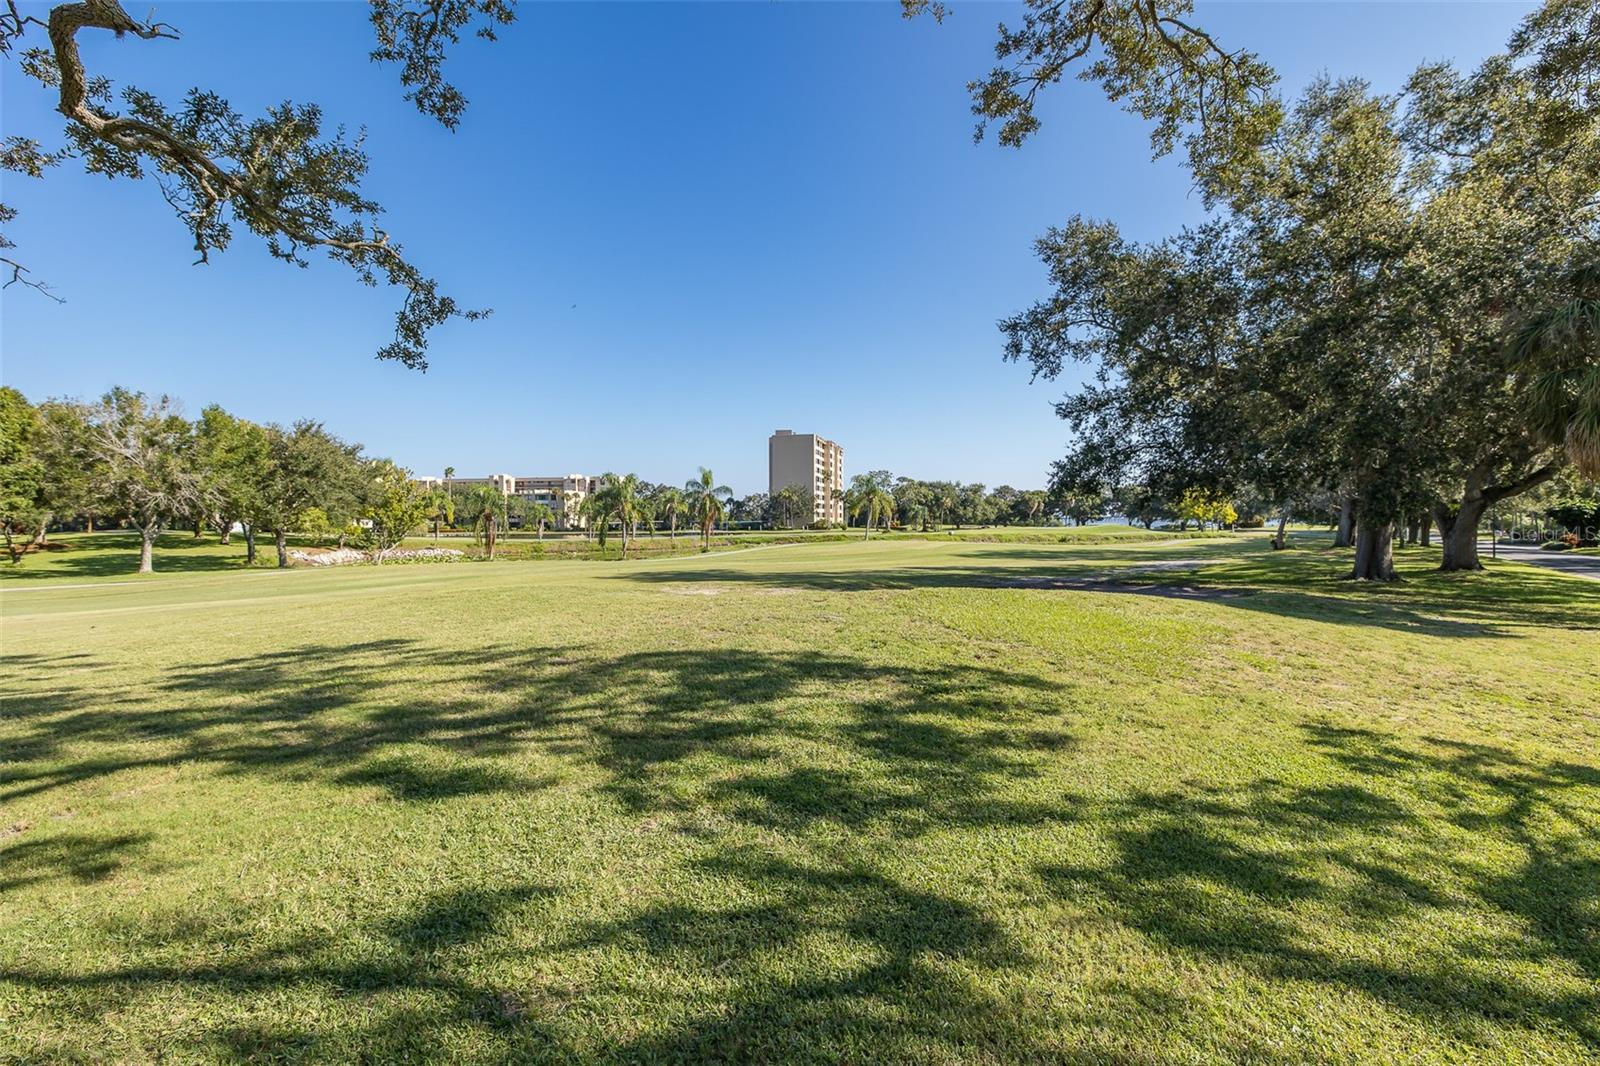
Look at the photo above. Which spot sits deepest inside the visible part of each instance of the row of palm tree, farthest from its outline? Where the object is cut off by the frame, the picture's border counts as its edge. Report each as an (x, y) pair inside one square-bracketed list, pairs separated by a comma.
[(487, 511), (619, 501)]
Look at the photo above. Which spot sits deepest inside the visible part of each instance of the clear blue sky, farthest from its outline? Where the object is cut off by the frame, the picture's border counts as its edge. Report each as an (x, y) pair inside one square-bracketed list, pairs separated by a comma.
[(695, 223)]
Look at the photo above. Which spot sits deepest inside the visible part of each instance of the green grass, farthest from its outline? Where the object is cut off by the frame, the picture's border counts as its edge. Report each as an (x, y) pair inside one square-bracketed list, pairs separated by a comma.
[(911, 800), (1106, 534), (114, 555)]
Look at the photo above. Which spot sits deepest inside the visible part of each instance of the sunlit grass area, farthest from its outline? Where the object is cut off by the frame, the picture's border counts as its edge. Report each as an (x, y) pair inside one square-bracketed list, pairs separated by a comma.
[(114, 554), (905, 800)]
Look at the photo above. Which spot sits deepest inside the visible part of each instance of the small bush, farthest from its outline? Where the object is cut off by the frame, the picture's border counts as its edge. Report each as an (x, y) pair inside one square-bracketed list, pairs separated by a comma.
[(1556, 545)]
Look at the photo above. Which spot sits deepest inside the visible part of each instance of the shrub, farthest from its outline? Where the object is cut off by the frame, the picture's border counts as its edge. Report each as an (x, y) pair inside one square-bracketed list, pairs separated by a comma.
[(1556, 545)]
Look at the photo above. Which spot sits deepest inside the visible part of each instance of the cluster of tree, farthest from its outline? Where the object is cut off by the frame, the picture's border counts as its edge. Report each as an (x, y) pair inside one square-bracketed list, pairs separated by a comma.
[(1566, 506), (878, 499), (133, 459), (1395, 302), (1577, 517), (624, 502), (627, 502)]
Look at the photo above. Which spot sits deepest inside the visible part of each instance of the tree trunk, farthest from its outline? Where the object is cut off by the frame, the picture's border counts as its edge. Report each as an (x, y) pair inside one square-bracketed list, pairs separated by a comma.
[(1427, 530), (38, 536), (1280, 541), (249, 545), (541, 530), (199, 529), (1342, 535), (147, 540), (90, 519), (1460, 536), (282, 541), (490, 538), (1413, 530), (226, 527), (1374, 551)]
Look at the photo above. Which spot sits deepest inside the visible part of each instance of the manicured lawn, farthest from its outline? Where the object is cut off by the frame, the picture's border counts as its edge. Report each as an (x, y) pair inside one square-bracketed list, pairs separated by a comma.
[(909, 800), (114, 555)]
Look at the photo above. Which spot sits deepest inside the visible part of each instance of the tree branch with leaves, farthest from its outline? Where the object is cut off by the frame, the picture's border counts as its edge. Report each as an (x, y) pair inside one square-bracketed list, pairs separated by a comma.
[(278, 176)]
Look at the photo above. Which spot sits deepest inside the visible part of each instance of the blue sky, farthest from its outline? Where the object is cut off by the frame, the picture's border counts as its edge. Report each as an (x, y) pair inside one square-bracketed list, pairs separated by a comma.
[(695, 223)]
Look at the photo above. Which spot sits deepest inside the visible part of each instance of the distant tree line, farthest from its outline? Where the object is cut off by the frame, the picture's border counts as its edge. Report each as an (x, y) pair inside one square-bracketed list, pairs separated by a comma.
[(131, 459)]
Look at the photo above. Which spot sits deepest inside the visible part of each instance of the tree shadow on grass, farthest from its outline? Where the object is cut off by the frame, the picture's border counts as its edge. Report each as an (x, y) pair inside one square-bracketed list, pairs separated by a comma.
[(829, 760), (1248, 876), (897, 998), (1294, 584), (387, 1000), (928, 742), (117, 555), (71, 857)]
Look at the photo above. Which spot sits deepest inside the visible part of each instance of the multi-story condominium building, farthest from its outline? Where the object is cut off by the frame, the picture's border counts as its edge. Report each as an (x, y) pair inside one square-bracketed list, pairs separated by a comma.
[(503, 482), (815, 465), (563, 495)]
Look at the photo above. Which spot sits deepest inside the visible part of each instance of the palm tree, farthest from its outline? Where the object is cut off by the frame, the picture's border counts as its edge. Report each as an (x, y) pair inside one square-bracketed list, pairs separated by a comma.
[(486, 506), (540, 515), (620, 499), (1554, 351), (791, 503), (591, 512), (870, 501), (707, 502), (670, 503), (442, 506)]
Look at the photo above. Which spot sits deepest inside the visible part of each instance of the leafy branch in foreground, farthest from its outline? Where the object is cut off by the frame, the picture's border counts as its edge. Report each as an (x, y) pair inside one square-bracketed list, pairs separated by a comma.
[(1146, 54), (279, 176)]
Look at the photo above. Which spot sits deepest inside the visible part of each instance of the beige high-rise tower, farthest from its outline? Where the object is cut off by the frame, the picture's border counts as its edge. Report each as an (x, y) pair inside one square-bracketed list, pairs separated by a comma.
[(814, 464)]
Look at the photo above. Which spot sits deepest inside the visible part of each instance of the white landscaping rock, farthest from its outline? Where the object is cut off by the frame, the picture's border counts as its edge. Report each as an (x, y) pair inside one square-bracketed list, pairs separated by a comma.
[(340, 556)]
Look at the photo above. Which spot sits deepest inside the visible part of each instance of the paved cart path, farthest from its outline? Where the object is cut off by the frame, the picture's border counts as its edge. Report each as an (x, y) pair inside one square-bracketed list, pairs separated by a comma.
[(1581, 565)]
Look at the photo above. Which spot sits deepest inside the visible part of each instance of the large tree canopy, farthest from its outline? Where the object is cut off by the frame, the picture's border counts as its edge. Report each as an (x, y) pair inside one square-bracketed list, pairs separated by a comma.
[(278, 175), (1345, 324)]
